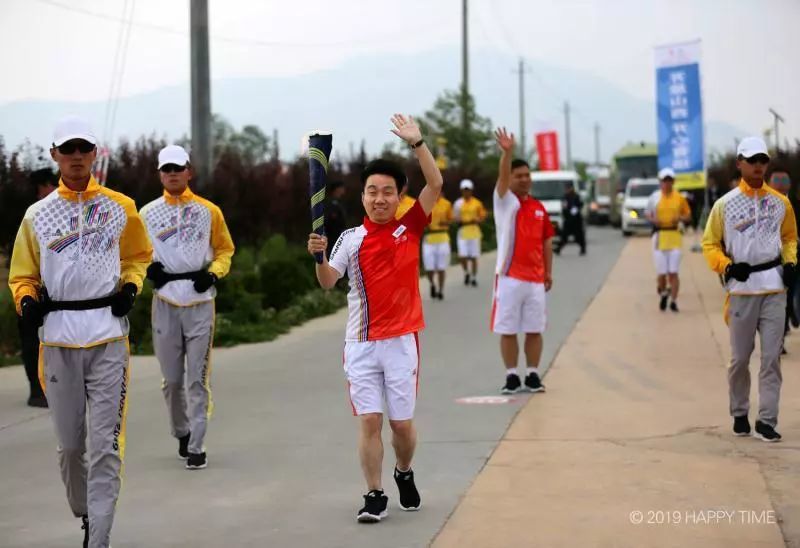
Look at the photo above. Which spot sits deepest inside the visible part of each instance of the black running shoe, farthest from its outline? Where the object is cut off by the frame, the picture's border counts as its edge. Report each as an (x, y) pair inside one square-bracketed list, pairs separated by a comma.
[(474, 282), (409, 496), (741, 426), (767, 433), (196, 461), (512, 384), (662, 305), (674, 306), (374, 508), (37, 400), (466, 279), (533, 383), (85, 527), (433, 292), (183, 447), (440, 295)]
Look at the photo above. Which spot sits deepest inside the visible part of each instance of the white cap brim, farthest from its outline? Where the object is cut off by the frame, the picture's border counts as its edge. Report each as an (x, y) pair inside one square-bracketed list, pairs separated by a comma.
[(85, 136), (167, 161)]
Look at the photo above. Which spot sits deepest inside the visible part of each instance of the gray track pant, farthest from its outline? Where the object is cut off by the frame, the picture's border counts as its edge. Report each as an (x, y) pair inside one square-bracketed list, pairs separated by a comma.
[(766, 315), (98, 375), (182, 336)]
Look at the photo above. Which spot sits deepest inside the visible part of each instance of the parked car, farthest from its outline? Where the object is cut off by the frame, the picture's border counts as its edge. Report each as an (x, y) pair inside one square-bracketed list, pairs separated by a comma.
[(549, 188), (634, 203)]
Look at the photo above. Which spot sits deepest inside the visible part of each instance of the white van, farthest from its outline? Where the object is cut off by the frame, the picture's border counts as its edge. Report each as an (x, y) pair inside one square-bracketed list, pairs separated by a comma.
[(549, 188), (634, 204)]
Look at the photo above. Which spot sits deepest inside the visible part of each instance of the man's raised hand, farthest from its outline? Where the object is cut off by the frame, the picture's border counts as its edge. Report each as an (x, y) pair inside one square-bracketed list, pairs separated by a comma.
[(407, 129), (505, 140)]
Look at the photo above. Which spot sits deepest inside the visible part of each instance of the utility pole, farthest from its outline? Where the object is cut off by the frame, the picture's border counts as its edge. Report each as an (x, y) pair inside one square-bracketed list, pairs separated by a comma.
[(777, 119), (464, 64), (202, 149), (521, 70), (596, 144), (567, 135)]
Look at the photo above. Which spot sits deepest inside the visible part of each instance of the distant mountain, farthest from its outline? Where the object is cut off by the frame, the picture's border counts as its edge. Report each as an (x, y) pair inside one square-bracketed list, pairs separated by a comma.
[(356, 99)]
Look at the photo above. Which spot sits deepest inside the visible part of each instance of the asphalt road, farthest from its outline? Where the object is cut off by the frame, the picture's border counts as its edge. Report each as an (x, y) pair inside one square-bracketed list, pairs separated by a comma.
[(283, 468)]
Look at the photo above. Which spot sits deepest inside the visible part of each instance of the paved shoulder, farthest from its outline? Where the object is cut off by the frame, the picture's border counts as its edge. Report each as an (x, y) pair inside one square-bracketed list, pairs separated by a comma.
[(632, 445)]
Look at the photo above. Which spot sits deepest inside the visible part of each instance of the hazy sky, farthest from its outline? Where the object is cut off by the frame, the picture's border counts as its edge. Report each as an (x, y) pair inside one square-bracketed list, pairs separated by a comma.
[(56, 49)]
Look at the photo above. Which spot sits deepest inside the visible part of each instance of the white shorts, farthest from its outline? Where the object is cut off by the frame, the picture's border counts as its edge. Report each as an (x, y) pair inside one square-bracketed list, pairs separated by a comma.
[(518, 307), (383, 370), (469, 249), (667, 261), (436, 256)]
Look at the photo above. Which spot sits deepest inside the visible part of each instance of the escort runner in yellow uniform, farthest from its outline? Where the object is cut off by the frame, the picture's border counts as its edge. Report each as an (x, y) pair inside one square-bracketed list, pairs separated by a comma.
[(192, 250), (751, 240), (469, 212), (667, 208), (436, 246), (78, 262)]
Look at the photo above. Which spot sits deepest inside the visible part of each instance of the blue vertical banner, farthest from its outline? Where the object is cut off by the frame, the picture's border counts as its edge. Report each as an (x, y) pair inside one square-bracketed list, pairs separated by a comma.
[(679, 111)]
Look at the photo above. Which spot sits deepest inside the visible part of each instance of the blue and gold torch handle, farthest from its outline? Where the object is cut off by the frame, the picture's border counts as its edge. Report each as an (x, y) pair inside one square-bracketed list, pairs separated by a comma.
[(319, 152)]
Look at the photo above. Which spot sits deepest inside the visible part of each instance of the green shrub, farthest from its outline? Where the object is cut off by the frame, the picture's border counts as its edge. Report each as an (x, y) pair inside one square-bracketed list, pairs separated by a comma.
[(284, 280), (9, 333), (141, 334)]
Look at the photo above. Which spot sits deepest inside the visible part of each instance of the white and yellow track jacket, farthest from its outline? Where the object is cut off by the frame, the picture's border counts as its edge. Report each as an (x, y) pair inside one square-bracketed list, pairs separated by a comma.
[(751, 226), (188, 234), (79, 246)]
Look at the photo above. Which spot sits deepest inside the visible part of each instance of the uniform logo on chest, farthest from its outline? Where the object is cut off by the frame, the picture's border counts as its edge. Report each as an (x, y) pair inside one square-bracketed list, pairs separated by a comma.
[(398, 234), (88, 227), (187, 228)]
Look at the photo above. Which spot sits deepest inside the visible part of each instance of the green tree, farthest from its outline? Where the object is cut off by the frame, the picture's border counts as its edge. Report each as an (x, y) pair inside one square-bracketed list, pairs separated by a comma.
[(250, 144), (465, 148)]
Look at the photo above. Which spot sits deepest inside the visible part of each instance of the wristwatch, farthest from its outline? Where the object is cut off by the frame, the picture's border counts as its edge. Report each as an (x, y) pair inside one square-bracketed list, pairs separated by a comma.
[(417, 144)]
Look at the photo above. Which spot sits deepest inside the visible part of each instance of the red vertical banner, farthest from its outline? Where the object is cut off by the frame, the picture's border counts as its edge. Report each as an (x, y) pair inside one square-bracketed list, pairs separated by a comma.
[(547, 146)]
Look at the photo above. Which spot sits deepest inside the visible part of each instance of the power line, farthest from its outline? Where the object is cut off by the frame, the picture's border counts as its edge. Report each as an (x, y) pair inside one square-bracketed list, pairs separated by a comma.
[(117, 78), (511, 42), (242, 41)]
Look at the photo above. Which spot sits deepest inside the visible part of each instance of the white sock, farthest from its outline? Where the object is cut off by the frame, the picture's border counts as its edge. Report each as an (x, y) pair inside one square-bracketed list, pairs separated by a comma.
[(510, 372), (530, 370)]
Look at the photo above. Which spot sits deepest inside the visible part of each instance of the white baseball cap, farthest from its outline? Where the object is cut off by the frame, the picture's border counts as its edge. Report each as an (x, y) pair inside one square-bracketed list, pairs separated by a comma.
[(73, 127), (750, 146), (466, 184), (666, 172), (172, 154)]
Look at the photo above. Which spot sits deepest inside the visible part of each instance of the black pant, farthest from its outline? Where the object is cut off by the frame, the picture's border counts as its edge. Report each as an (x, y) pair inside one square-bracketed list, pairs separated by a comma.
[(574, 229), (29, 339)]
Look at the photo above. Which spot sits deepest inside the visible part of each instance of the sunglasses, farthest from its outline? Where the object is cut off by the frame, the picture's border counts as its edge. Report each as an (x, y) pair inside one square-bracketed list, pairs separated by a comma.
[(172, 168), (84, 147), (762, 159), (781, 179)]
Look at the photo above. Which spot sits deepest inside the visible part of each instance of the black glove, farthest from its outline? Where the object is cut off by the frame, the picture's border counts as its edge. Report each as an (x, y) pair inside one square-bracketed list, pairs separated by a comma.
[(204, 281), (123, 300), (156, 274), (32, 312), (789, 275), (737, 271)]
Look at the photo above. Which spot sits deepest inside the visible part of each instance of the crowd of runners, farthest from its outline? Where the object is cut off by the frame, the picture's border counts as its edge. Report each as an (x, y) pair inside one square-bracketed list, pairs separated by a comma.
[(83, 252)]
